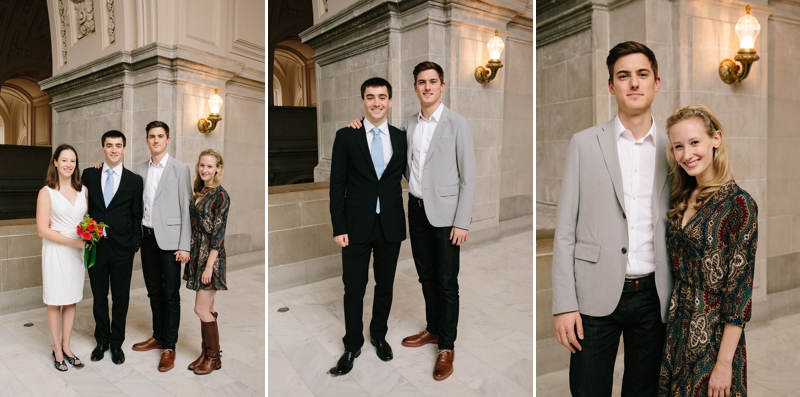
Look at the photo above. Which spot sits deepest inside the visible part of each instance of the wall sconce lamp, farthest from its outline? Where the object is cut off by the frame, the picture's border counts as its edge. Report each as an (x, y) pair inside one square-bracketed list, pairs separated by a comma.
[(495, 47), (206, 126), (747, 30)]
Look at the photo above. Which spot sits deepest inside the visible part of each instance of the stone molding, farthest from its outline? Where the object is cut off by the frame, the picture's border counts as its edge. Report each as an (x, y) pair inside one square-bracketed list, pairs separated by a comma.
[(62, 12), (564, 24)]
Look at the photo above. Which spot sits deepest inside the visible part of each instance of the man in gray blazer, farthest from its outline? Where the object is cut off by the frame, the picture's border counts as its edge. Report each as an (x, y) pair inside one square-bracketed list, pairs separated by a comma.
[(166, 240), (611, 274), (441, 185)]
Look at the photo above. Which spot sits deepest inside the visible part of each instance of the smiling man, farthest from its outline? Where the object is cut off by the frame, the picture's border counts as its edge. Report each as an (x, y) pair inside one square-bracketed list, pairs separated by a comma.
[(366, 205), (610, 271), (115, 198)]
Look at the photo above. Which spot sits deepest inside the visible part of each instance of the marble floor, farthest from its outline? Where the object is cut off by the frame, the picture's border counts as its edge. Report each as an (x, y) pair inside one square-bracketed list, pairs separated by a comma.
[(26, 365), (773, 362), (494, 349)]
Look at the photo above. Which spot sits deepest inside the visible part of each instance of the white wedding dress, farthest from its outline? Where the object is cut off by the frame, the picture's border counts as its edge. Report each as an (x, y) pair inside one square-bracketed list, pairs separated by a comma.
[(63, 273)]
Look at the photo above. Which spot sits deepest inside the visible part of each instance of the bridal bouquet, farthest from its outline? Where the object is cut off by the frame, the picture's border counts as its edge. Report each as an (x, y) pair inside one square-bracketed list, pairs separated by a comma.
[(90, 231)]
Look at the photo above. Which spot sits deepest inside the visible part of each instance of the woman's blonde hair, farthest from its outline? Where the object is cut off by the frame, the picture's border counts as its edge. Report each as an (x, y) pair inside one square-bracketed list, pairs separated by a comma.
[(200, 188), (682, 183)]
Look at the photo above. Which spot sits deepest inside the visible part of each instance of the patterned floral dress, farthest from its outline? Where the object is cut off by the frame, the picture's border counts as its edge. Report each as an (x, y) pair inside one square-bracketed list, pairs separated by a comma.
[(713, 260), (209, 217)]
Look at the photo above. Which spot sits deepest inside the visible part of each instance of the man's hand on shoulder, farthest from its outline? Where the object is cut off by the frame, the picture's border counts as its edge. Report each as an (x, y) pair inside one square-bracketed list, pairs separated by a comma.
[(98, 166), (458, 236), (356, 124), (342, 240), (569, 328)]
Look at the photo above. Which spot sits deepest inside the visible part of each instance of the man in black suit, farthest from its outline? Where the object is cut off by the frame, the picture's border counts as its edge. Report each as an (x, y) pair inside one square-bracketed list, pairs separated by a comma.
[(115, 198), (366, 204)]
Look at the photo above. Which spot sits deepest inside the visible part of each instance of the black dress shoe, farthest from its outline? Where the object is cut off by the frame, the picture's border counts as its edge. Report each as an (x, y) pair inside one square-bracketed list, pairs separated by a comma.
[(117, 356), (382, 348), (345, 363), (97, 353)]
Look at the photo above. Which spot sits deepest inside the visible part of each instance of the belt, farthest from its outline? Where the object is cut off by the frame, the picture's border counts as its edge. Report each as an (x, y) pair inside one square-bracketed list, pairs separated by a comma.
[(639, 284), (415, 201), (148, 230)]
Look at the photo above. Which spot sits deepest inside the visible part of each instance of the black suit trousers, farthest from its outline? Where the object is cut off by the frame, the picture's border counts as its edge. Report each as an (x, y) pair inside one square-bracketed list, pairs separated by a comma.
[(162, 278), (355, 274), (114, 272)]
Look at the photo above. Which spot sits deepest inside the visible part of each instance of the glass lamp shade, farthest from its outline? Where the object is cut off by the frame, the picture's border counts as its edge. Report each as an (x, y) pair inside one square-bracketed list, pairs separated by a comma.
[(495, 46), (747, 30), (215, 103)]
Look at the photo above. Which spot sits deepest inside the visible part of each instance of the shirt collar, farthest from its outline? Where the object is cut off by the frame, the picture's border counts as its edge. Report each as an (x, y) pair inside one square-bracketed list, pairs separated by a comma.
[(162, 163), (117, 170), (620, 130), (436, 116), (384, 127)]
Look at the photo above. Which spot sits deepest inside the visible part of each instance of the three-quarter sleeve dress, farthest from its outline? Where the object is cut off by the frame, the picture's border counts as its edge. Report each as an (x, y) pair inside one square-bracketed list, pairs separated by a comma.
[(208, 217), (712, 259)]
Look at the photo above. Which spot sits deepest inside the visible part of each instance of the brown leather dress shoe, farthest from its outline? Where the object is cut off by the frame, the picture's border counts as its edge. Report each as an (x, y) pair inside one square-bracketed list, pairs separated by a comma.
[(167, 360), (147, 345), (444, 365), (420, 339)]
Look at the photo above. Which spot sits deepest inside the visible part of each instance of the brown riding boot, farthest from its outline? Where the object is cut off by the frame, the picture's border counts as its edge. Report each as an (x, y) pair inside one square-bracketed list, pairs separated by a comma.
[(212, 360), (195, 363)]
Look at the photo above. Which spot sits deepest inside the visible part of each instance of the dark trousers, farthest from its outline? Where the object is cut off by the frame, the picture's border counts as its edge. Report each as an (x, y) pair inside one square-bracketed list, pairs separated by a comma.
[(437, 263), (162, 277), (638, 318), (116, 274), (355, 274)]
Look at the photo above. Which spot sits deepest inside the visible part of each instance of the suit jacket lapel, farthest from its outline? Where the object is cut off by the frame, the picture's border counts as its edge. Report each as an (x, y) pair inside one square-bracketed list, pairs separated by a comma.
[(168, 167), (437, 133), (396, 140), (608, 145), (661, 171)]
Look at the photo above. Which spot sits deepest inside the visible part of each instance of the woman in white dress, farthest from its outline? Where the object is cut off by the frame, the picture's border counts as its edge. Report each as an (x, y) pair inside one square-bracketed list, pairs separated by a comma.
[(60, 207)]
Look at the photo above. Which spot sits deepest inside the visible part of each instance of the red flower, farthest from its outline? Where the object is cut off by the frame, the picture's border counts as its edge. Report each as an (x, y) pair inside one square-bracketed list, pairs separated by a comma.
[(78, 229), (87, 236), (90, 228), (93, 222), (99, 232)]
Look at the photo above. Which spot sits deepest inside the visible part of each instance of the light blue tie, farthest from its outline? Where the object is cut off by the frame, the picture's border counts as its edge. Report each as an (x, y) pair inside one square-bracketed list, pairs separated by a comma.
[(108, 192), (377, 159)]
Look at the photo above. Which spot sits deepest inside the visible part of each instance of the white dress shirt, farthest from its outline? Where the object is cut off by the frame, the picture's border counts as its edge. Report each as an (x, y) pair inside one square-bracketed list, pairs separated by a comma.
[(420, 143), (637, 161), (154, 172), (385, 140), (117, 177)]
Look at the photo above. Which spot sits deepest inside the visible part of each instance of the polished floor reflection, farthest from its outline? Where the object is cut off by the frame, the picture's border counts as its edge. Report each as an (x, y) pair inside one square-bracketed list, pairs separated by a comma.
[(26, 366), (494, 349)]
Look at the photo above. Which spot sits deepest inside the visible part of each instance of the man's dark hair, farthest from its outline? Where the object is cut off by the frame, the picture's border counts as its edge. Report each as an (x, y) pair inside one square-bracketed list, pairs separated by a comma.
[(156, 124), (113, 134), (376, 82), (427, 65), (627, 48)]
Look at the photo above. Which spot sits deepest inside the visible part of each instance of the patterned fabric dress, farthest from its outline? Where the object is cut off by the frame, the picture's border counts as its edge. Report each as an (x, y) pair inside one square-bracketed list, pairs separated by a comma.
[(713, 260), (209, 217)]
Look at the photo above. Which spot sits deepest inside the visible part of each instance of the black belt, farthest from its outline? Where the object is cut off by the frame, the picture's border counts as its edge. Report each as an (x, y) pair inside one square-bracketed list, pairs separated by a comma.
[(639, 284), (148, 230), (415, 201)]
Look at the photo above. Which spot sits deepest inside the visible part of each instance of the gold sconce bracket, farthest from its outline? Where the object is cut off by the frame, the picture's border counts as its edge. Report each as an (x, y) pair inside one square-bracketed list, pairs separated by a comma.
[(730, 72), (487, 74), (206, 126)]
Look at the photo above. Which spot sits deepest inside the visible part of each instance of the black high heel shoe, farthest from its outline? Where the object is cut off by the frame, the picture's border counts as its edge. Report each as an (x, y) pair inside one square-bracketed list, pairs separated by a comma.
[(72, 360), (59, 364)]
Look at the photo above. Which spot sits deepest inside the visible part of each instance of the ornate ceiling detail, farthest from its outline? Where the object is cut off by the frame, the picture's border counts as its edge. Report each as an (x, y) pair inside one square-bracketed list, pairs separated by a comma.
[(111, 26), (84, 11), (25, 39)]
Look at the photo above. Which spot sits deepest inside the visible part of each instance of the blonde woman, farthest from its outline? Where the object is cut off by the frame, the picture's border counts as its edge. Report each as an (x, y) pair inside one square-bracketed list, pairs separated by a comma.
[(711, 242), (205, 271)]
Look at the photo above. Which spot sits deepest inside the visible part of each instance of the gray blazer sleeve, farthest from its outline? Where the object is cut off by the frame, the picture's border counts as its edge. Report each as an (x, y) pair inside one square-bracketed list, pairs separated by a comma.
[(467, 170), (565, 297), (185, 195)]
